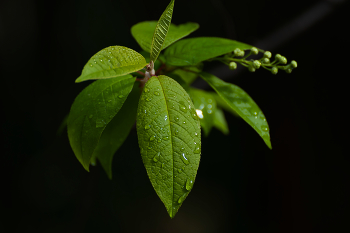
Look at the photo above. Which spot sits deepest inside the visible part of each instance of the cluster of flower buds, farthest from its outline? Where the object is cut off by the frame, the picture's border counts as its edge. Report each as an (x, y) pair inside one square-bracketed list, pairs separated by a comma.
[(280, 62)]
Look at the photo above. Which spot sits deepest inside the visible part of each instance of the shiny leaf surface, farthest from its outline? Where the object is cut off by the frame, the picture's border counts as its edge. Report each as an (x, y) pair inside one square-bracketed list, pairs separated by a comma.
[(242, 103), (169, 138), (112, 62), (92, 110)]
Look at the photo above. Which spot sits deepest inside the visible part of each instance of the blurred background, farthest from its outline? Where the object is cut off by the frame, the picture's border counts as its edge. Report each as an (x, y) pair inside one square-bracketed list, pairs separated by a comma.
[(241, 186)]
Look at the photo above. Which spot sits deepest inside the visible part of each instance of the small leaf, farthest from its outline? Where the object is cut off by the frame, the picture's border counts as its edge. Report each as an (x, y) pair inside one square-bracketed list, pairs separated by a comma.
[(117, 131), (220, 121), (242, 103), (112, 62), (189, 52), (92, 110), (161, 31), (205, 106), (143, 33), (169, 138)]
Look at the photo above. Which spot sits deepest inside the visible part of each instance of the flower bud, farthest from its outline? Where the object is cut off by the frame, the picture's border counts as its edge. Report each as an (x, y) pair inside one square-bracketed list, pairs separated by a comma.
[(254, 51), (283, 60), (294, 64), (274, 70), (237, 52), (251, 68), (233, 65), (265, 60), (278, 57), (256, 64), (289, 70), (267, 54)]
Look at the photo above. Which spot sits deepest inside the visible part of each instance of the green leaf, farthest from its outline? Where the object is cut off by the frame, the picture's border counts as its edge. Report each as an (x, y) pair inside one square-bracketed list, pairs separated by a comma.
[(143, 33), (112, 62), (117, 131), (169, 138), (242, 103), (92, 110), (220, 121), (222, 104), (189, 52), (205, 106), (161, 31)]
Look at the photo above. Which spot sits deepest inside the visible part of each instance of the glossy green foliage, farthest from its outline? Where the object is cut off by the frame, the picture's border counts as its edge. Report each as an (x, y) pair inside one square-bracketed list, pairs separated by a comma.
[(143, 33), (220, 121), (161, 31), (189, 73), (242, 103), (169, 138), (117, 131), (190, 52), (92, 110), (112, 62)]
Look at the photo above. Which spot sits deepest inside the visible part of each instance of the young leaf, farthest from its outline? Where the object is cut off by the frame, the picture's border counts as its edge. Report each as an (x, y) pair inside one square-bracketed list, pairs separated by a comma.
[(189, 52), (117, 131), (205, 106), (112, 62), (242, 103), (220, 121), (92, 110), (170, 141), (161, 31), (143, 33)]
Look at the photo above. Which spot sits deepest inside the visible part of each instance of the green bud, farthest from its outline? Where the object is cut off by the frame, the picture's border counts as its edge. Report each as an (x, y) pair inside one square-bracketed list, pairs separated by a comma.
[(233, 65), (251, 68), (265, 60), (294, 64), (254, 51), (289, 71), (274, 70), (237, 52), (283, 60), (256, 64), (278, 57), (267, 54)]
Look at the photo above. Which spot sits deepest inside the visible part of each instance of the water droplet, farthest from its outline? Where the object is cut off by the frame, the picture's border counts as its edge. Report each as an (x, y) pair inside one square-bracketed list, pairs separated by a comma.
[(209, 111), (201, 106), (209, 106), (184, 159), (189, 184), (179, 170), (156, 93), (264, 119), (148, 99), (101, 60), (120, 96), (156, 157), (183, 148), (150, 148), (264, 128), (147, 126), (176, 119), (197, 150), (166, 117), (182, 106), (91, 65), (146, 89), (210, 101), (199, 113), (195, 134), (91, 116), (152, 138), (255, 113), (184, 122), (166, 138), (162, 165)]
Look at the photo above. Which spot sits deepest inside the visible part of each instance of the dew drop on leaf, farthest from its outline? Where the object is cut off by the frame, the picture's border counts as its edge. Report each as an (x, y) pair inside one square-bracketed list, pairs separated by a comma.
[(146, 89), (197, 150), (152, 138), (189, 184), (184, 159), (182, 198), (156, 157), (156, 93), (147, 126), (120, 96)]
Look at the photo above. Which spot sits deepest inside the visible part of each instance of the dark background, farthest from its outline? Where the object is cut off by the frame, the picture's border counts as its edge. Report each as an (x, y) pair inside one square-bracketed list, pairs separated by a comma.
[(241, 186)]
